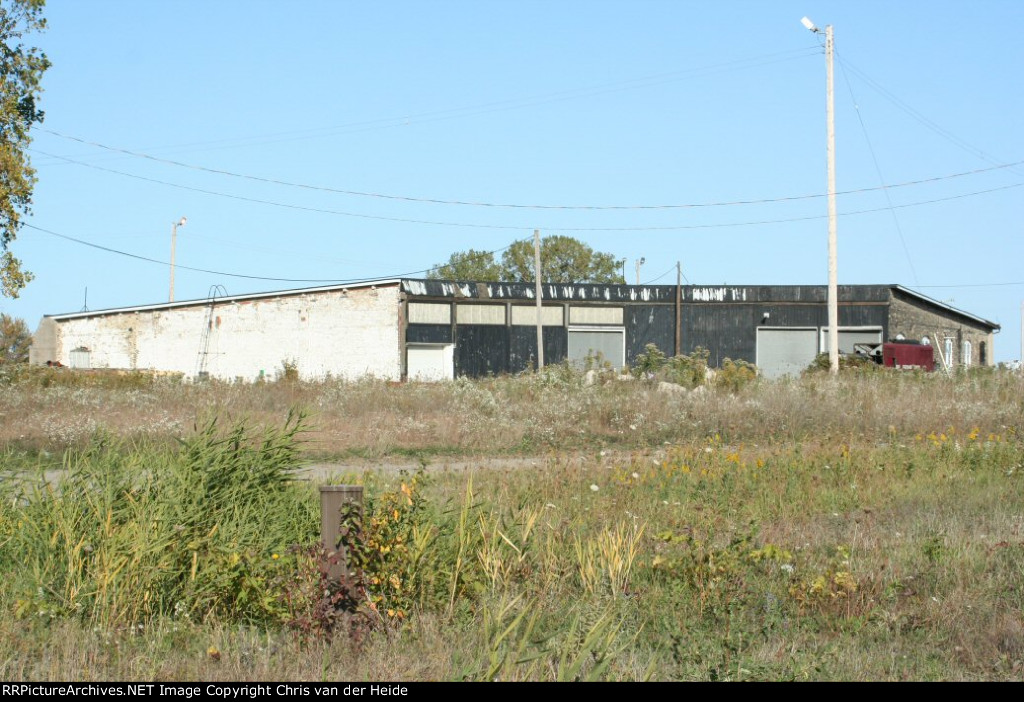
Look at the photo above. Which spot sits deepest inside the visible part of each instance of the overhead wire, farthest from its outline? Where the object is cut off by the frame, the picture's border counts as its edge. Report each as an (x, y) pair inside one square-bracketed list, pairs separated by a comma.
[(473, 225), (919, 117), (878, 170), (178, 266), (384, 277)]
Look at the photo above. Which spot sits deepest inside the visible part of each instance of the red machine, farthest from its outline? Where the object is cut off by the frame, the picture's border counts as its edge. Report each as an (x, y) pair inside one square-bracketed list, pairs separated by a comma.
[(908, 356)]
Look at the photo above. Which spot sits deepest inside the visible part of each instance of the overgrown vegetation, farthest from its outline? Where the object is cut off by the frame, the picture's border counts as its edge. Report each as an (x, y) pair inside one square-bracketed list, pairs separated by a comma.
[(887, 546)]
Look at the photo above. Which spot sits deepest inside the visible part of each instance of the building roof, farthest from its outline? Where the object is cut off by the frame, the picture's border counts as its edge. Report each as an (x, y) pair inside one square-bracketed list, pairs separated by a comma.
[(582, 292), (942, 305), (382, 282)]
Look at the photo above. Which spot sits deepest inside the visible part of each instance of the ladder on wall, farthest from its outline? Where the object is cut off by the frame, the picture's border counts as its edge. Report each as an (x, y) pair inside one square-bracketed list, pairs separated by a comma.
[(202, 362)]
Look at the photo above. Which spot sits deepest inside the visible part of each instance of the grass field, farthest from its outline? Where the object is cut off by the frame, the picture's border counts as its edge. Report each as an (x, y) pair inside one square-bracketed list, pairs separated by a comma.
[(870, 527)]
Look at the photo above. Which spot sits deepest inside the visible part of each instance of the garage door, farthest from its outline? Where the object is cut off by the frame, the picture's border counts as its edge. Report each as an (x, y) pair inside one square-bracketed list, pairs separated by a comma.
[(431, 362), (783, 352), (609, 343)]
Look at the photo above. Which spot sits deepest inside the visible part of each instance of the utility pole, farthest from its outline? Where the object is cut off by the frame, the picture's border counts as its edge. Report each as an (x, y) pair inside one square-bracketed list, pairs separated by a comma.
[(679, 307), (833, 284), (540, 317), (174, 240), (639, 262)]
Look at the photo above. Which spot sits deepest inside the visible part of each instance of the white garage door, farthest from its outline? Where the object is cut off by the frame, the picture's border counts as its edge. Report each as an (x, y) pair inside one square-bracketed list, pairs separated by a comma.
[(783, 352), (434, 362)]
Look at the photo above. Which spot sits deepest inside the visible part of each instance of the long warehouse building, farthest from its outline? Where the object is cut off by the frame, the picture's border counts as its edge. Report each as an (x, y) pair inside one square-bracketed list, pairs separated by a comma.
[(434, 330)]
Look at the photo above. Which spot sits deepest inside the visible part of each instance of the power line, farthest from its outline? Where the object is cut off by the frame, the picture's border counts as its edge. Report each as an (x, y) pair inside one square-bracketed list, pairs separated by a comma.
[(472, 203), (654, 280), (522, 227), (918, 116), (393, 275), (237, 275), (878, 170)]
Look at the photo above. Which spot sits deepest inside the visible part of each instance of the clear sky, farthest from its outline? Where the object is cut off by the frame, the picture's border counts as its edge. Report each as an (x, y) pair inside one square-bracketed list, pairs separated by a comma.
[(549, 103)]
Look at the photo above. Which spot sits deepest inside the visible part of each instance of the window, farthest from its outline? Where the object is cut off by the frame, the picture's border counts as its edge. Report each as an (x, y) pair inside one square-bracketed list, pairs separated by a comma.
[(965, 354), (948, 352)]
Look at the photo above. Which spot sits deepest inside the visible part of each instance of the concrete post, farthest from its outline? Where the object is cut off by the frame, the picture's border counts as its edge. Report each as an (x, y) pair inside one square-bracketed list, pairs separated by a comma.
[(335, 501)]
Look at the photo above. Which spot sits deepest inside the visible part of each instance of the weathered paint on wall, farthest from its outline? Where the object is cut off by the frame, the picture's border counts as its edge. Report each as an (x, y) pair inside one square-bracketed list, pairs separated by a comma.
[(347, 333)]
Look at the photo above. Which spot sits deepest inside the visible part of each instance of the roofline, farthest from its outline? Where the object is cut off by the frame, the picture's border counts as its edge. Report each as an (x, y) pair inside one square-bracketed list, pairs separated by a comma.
[(943, 305), (227, 298)]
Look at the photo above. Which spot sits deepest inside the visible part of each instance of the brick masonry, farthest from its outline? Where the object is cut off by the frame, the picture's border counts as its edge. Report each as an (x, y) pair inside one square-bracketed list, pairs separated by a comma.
[(916, 319), (342, 333)]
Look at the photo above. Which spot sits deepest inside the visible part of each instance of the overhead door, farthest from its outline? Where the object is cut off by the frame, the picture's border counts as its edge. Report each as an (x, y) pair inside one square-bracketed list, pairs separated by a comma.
[(431, 362), (609, 344), (782, 352)]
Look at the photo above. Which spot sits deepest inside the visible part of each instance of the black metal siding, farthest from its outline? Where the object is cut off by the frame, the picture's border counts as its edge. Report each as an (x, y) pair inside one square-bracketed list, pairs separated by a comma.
[(481, 350), (523, 347), (650, 324), (730, 330), (429, 334)]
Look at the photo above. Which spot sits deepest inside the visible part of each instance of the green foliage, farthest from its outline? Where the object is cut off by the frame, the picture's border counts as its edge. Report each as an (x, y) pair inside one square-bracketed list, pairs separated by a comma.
[(15, 340), (469, 265), (847, 362), (21, 69), (563, 260), (735, 375), (688, 370), (98, 378), (132, 533)]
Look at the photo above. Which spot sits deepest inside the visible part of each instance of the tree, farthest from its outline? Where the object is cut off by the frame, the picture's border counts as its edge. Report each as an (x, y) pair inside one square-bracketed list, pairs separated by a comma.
[(21, 69), (15, 340), (468, 265), (562, 260)]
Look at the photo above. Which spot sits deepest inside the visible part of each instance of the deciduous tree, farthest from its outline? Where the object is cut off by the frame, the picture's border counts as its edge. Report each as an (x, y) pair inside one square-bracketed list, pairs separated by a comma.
[(21, 69), (468, 265), (563, 260), (15, 339)]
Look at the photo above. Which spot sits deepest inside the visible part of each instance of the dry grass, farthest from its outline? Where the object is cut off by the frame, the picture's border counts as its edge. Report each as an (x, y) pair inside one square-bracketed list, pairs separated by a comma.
[(870, 528), (524, 415)]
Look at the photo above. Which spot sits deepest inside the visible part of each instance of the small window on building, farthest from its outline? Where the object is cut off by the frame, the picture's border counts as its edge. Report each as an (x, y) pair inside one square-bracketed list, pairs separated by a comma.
[(966, 354), (983, 354), (948, 351)]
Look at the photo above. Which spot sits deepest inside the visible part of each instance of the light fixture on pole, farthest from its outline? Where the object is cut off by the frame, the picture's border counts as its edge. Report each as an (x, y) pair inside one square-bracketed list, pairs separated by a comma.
[(174, 240), (639, 262), (833, 285)]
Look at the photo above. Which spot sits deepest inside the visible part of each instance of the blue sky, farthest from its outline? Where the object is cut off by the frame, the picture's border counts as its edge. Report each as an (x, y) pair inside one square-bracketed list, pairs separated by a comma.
[(526, 103)]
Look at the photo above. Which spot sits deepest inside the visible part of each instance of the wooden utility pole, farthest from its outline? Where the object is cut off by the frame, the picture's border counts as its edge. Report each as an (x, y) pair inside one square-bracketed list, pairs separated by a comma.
[(833, 284), (540, 317)]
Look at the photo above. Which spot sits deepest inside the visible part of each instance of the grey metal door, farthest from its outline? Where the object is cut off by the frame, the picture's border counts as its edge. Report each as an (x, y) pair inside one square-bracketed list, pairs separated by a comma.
[(782, 352)]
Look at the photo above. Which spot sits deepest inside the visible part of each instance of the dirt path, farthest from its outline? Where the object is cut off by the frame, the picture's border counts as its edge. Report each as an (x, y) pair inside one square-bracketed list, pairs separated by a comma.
[(324, 471)]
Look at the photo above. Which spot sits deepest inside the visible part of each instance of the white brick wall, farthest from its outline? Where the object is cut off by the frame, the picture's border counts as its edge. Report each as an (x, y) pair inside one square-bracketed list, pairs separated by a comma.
[(344, 334)]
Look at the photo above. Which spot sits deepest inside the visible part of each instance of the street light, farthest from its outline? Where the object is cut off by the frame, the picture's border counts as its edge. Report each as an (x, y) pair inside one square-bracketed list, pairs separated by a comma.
[(174, 240), (639, 262), (833, 285)]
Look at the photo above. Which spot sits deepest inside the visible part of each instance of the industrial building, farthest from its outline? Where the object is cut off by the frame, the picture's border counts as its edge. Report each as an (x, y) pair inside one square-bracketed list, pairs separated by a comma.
[(434, 330)]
